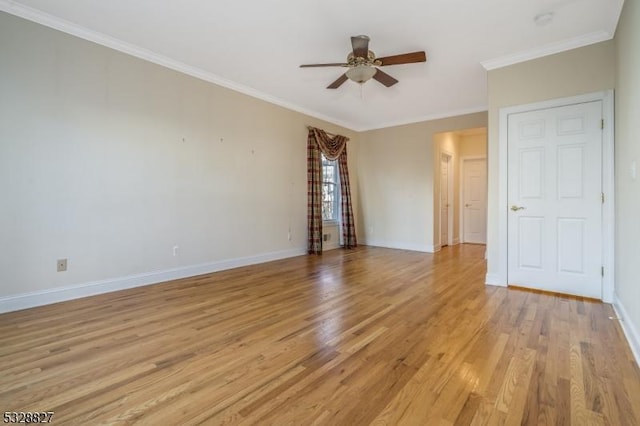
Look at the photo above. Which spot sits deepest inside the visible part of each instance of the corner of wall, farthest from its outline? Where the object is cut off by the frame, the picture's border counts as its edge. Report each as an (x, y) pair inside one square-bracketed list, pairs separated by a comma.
[(630, 331)]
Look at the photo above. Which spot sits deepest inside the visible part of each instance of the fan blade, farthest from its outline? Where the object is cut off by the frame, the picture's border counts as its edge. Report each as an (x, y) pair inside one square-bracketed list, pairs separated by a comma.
[(384, 78), (360, 46), (405, 58), (338, 82), (324, 65)]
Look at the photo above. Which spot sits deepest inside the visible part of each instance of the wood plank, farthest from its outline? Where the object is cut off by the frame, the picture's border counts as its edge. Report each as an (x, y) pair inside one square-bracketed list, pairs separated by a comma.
[(365, 336)]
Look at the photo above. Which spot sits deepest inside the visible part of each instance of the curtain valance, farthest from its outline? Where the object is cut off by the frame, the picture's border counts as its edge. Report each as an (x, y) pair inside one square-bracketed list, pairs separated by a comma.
[(330, 145)]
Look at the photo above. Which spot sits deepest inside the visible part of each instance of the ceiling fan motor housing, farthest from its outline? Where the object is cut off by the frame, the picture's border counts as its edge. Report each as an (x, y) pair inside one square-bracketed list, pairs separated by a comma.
[(370, 60)]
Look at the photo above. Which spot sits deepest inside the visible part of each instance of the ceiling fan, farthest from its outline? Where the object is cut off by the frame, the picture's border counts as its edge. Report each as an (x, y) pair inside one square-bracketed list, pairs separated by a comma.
[(362, 64)]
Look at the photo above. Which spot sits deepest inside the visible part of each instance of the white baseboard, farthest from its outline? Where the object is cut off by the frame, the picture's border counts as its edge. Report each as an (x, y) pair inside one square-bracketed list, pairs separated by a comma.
[(630, 330), (493, 279), (455, 241), (61, 294), (399, 245)]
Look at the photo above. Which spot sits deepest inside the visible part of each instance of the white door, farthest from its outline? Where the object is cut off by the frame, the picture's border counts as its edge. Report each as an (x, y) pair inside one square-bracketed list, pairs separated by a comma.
[(555, 199), (444, 200), (474, 195)]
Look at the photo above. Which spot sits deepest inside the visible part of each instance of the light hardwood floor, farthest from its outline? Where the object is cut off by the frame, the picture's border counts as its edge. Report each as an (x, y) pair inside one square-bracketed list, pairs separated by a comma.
[(369, 336)]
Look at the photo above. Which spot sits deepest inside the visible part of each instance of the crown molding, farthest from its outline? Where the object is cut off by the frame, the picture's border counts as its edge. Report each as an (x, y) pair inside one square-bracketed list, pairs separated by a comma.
[(79, 31), (43, 18), (430, 117), (546, 50)]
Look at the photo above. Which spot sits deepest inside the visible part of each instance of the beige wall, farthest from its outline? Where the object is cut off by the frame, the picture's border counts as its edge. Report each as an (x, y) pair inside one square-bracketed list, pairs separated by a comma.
[(627, 151), (579, 71), (110, 161), (396, 173), (473, 145)]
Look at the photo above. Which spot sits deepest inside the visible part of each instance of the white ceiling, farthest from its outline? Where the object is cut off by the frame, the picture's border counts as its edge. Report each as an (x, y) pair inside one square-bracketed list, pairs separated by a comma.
[(255, 46)]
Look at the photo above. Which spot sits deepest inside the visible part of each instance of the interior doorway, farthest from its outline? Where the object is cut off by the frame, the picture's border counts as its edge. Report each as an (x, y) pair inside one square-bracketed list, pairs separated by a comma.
[(554, 198), (474, 200), (450, 149), (574, 158)]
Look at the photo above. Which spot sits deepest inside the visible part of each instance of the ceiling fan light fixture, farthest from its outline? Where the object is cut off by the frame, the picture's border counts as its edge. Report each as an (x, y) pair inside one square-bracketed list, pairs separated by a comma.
[(362, 64), (361, 73)]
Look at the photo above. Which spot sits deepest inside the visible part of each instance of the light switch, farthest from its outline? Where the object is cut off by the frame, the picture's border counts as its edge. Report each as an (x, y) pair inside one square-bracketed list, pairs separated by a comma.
[(632, 170)]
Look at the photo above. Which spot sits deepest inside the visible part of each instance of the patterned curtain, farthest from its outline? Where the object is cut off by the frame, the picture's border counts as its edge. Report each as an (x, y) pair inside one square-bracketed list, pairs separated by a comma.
[(348, 225), (333, 148), (314, 195)]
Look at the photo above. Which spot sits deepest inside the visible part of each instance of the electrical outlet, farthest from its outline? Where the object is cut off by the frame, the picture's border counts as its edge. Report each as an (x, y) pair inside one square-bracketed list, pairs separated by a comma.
[(62, 265)]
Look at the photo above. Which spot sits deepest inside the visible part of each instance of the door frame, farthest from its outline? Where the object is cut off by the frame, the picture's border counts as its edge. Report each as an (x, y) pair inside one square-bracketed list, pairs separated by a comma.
[(608, 212), (450, 183), (462, 187)]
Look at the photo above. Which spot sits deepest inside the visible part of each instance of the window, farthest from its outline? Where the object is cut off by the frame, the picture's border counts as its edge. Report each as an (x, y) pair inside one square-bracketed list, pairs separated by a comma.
[(330, 189)]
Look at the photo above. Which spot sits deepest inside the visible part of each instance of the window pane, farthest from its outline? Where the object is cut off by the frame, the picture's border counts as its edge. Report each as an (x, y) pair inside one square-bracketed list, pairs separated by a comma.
[(330, 189), (328, 202)]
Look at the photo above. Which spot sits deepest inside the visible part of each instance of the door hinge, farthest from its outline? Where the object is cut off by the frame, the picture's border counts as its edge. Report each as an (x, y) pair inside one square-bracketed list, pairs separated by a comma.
[(602, 271), (602, 193), (602, 123)]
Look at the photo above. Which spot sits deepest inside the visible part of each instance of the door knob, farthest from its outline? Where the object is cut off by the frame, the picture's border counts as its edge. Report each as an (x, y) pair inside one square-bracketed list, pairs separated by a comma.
[(467, 205), (516, 208)]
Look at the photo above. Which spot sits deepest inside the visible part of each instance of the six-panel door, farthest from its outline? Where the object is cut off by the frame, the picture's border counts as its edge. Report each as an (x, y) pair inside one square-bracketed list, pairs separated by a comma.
[(555, 204)]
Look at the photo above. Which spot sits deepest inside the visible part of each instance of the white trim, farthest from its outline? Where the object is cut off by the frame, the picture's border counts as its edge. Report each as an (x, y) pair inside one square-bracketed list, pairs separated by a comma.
[(494, 279), (461, 195), (79, 31), (630, 331), (428, 117), (608, 187), (608, 211), (46, 297), (68, 27), (401, 245), (330, 223), (546, 50), (450, 198), (456, 241)]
